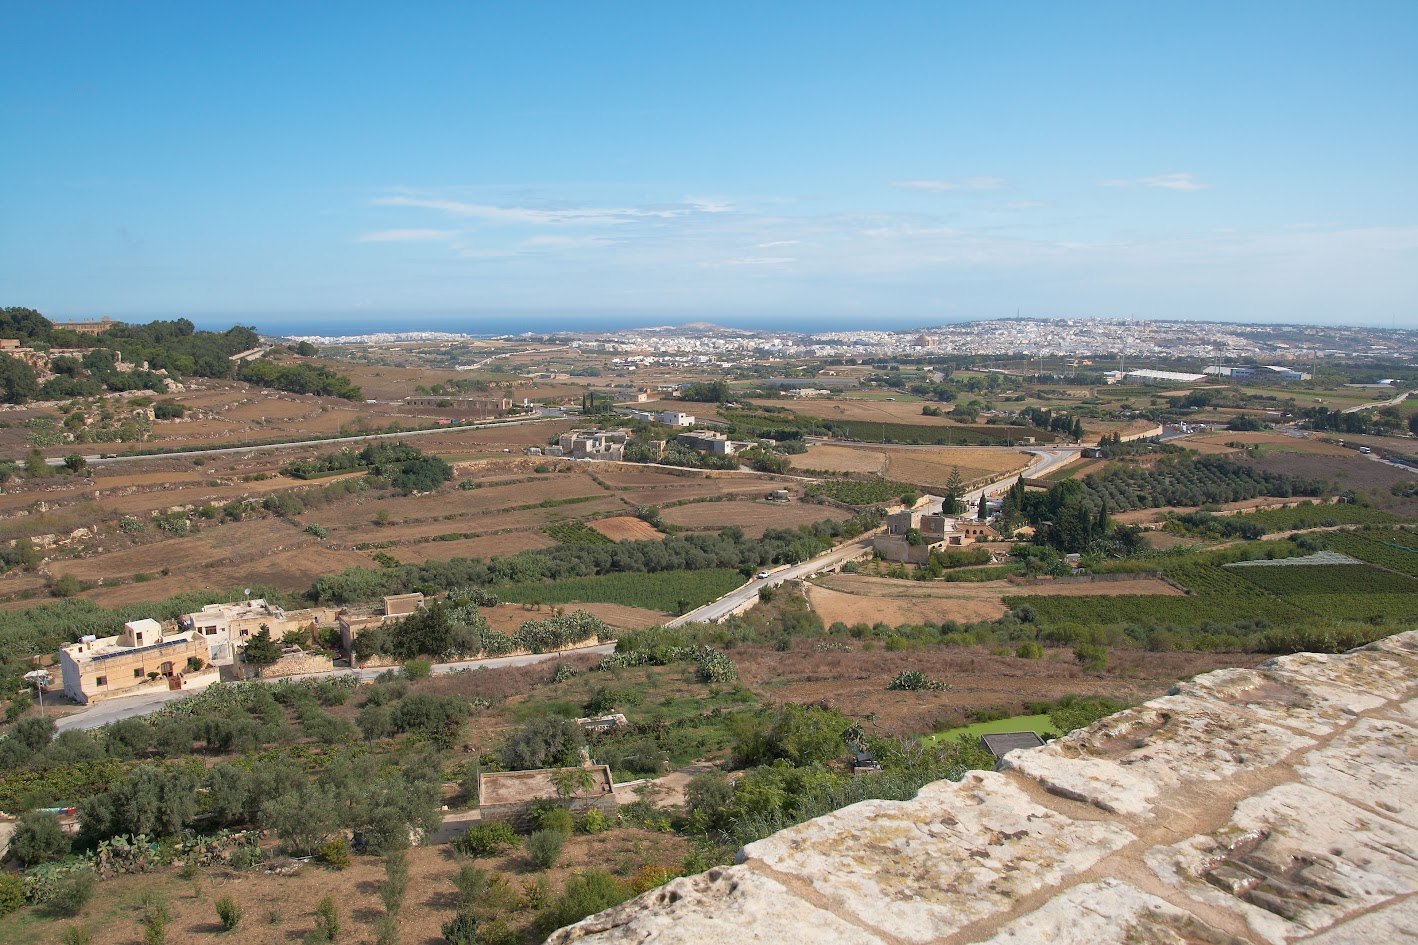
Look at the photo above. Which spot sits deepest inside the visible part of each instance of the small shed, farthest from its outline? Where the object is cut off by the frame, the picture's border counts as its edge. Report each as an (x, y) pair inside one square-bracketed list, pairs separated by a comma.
[(401, 605), (1002, 743)]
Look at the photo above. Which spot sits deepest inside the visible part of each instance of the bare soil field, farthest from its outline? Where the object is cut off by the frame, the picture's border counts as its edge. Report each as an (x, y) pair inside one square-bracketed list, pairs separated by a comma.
[(478, 523), (1276, 441), (626, 528), (880, 411), (282, 908), (842, 459), (1349, 471), (508, 617), (925, 466), (857, 598), (484, 546), (855, 681), (753, 517)]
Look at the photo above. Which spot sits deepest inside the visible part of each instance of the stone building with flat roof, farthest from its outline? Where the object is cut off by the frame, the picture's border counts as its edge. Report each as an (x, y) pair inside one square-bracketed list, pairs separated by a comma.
[(143, 655)]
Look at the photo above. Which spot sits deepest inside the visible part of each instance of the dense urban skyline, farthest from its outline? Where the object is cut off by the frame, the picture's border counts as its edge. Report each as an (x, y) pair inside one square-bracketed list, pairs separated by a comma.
[(805, 165)]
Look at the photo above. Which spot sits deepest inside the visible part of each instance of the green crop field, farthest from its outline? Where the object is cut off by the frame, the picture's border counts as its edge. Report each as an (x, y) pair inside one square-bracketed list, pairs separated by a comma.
[(665, 591), (577, 533), (861, 492), (1317, 516), (1041, 724), (1394, 549), (868, 431), (1317, 580)]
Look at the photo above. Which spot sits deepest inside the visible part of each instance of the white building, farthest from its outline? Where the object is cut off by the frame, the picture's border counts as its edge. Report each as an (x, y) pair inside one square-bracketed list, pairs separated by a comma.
[(226, 628)]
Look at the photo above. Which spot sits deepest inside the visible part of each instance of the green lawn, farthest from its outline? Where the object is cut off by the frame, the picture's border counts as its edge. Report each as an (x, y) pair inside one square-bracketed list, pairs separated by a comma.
[(1018, 723)]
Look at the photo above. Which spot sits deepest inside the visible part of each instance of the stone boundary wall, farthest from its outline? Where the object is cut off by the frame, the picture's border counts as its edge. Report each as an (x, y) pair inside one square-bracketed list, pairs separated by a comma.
[(297, 664), (1272, 805)]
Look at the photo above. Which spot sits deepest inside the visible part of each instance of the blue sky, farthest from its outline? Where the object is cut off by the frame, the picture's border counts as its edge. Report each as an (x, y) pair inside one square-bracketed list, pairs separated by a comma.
[(788, 163)]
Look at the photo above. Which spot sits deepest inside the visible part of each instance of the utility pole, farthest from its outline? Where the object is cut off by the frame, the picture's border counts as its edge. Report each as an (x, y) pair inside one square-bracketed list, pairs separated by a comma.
[(40, 678)]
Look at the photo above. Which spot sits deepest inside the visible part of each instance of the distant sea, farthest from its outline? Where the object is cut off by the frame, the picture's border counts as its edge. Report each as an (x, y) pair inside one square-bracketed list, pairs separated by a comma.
[(364, 324)]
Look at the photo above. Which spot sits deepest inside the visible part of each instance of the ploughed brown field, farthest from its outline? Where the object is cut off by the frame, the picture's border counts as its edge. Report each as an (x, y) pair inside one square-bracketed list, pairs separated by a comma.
[(626, 528), (927, 466), (754, 517), (858, 598)]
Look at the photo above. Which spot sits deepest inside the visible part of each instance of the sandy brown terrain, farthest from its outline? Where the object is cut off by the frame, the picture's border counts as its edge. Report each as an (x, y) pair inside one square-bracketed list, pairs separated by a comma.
[(754, 517), (626, 528)]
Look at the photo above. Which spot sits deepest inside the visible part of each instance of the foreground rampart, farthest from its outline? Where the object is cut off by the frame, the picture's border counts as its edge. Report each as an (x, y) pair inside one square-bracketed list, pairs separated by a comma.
[(1271, 805)]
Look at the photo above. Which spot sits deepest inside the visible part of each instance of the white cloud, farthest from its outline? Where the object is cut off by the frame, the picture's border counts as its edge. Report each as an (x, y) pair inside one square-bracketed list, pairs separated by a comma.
[(1180, 181), (406, 236), (772, 243), (709, 204), (937, 186)]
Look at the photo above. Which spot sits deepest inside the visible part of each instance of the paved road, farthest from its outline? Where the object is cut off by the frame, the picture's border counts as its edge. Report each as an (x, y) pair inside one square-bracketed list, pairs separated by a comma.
[(112, 710), (1046, 460), (1391, 402), (96, 460)]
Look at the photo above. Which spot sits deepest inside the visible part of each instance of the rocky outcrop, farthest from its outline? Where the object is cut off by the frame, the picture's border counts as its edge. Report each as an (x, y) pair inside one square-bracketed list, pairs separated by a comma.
[(1270, 805)]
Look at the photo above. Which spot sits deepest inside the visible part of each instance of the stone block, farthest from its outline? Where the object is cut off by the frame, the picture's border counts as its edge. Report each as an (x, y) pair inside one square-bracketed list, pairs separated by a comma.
[(926, 868), (1395, 925), (722, 905), (1109, 913), (1386, 669), (1294, 861), (1122, 764)]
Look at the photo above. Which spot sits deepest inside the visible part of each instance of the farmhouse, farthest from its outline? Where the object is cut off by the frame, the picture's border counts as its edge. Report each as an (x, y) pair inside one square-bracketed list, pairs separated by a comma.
[(100, 667), (466, 407), (225, 628), (508, 795), (89, 327), (707, 441), (591, 444), (351, 623), (931, 533)]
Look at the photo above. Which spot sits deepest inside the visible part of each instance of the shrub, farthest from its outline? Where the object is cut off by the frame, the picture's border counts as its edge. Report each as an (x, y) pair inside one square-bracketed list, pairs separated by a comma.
[(319, 531), (77, 934), (462, 929), (544, 848), (585, 893), (327, 920), (72, 892), (37, 837), (913, 680), (552, 816), (335, 853), (1029, 651), (386, 930), (12, 893), (228, 912), (594, 820), (487, 838), (1091, 656), (420, 668)]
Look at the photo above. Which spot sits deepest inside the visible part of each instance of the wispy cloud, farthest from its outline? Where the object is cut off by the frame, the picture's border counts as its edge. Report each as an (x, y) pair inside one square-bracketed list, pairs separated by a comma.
[(407, 236), (938, 186), (535, 216), (1181, 181)]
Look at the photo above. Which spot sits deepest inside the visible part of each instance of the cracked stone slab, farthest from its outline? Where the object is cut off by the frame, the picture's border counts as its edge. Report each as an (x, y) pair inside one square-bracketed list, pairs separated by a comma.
[(1385, 669), (722, 905), (1110, 912), (1123, 763), (1289, 700), (956, 854), (1373, 764), (1294, 861)]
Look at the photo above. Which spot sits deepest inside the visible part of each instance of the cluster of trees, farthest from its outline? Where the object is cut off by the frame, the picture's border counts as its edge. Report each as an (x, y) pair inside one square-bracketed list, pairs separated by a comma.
[(404, 467), (715, 392), (1046, 419), (445, 632), (298, 379), (727, 549)]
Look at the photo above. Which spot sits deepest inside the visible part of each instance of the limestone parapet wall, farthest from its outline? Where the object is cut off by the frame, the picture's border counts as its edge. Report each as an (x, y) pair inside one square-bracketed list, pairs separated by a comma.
[(1272, 805)]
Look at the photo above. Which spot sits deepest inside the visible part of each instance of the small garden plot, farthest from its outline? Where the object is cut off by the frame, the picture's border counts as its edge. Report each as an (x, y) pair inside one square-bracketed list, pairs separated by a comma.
[(861, 493), (1321, 579)]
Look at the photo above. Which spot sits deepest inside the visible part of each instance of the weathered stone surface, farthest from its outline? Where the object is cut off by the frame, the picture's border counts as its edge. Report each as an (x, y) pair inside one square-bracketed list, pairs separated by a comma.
[(1383, 669), (721, 906), (1371, 764), (1109, 913), (1121, 764), (1396, 925), (1292, 701), (956, 854), (1294, 861)]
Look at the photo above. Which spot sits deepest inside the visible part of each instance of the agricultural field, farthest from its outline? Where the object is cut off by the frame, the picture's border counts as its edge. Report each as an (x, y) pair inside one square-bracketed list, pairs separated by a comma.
[(856, 598), (924, 467), (861, 492), (669, 592), (1266, 442), (625, 528), (753, 516)]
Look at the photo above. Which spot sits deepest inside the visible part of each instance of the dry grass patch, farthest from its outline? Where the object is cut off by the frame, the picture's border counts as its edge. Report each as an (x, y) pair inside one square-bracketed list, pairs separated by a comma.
[(626, 528)]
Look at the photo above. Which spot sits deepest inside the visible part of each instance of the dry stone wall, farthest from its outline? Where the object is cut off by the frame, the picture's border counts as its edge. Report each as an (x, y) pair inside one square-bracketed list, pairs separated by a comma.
[(1272, 805)]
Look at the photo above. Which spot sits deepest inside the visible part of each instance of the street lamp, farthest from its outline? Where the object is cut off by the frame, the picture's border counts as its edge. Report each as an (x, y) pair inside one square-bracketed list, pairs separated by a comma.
[(40, 678)]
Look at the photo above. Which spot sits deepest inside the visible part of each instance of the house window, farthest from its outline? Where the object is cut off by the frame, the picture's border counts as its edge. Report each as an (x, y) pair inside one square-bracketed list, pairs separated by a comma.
[(138, 673), (100, 680), (138, 637), (210, 631)]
